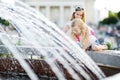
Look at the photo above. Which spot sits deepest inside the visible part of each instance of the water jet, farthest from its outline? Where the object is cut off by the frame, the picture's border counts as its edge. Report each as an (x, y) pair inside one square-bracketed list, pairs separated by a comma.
[(44, 51)]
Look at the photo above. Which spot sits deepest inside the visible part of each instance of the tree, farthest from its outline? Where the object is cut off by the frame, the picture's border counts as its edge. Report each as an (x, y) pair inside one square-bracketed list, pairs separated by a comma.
[(109, 20), (4, 22), (118, 14), (110, 14)]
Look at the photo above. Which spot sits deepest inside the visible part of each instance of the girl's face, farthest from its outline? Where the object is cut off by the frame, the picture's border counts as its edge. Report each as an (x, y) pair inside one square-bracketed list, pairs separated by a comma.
[(78, 14), (76, 30)]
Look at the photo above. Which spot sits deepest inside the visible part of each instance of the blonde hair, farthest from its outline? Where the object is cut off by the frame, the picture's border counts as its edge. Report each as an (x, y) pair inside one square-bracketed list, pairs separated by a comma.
[(83, 15), (85, 32)]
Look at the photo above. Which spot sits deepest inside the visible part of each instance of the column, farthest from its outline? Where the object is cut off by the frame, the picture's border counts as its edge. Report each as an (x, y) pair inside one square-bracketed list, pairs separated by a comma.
[(61, 16), (37, 7), (48, 11), (72, 8)]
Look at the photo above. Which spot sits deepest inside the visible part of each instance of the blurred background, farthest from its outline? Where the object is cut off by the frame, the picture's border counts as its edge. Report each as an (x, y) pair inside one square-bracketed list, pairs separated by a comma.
[(102, 15)]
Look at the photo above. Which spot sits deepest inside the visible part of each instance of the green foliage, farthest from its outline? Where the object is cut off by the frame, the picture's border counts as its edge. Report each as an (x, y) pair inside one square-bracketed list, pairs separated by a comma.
[(109, 45), (109, 20), (111, 14), (5, 55), (112, 18), (0, 20), (4, 22), (118, 14)]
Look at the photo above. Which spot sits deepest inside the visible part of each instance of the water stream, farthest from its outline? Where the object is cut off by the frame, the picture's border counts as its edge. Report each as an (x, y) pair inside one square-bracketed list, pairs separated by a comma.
[(44, 38)]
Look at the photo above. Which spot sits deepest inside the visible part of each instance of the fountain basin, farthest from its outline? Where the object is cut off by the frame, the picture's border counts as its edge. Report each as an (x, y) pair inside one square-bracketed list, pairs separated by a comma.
[(108, 61), (10, 66)]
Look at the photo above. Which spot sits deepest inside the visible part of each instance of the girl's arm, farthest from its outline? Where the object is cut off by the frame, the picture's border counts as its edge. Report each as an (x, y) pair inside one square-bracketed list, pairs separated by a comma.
[(66, 28), (99, 47), (95, 44)]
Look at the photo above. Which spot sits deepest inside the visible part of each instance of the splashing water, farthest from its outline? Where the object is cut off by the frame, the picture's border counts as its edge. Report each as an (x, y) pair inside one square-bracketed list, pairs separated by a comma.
[(44, 38), (113, 77)]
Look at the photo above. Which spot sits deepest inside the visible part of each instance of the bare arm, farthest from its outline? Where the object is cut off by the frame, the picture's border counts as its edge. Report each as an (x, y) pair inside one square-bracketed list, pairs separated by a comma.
[(95, 44), (99, 47), (66, 28)]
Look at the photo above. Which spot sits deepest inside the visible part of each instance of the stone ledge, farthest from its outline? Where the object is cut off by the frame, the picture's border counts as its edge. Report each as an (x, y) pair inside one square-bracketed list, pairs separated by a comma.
[(107, 58)]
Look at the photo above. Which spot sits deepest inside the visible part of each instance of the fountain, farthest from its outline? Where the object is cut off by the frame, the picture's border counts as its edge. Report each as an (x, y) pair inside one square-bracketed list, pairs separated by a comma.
[(44, 51)]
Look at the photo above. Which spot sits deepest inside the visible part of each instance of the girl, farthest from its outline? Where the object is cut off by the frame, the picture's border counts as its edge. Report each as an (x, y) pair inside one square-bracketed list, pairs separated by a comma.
[(78, 14), (82, 35)]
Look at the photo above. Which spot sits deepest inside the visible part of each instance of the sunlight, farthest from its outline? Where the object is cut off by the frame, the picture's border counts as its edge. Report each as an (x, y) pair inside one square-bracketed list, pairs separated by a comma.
[(8, 1), (112, 5)]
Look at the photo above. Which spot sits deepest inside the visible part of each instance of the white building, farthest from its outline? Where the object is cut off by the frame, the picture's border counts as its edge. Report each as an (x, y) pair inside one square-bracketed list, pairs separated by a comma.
[(60, 11)]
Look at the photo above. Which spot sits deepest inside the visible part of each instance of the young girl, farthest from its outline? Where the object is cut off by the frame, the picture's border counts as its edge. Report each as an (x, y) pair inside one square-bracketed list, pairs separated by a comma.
[(82, 35), (78, 14)]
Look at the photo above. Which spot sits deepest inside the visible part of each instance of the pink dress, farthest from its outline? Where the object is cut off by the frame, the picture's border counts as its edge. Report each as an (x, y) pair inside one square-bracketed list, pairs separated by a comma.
[(93, 39)]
